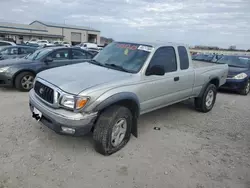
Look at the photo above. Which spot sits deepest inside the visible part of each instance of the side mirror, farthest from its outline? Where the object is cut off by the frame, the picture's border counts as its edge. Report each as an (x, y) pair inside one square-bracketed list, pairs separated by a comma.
[(155, 70), (48, 59)]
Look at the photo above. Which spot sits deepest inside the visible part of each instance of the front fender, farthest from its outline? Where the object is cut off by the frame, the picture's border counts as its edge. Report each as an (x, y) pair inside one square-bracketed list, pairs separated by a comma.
[(116, 98)]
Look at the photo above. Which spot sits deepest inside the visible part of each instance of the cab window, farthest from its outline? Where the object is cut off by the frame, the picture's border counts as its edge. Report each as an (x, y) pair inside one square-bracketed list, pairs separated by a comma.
[(166, 57), (183, 55)]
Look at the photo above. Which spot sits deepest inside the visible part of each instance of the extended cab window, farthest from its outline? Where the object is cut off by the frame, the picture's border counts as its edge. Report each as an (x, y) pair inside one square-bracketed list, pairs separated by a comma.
[(183, 55), (166, 57)]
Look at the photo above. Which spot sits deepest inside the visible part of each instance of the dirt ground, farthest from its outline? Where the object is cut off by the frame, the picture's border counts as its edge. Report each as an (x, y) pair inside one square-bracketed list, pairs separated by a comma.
[(191, 150)]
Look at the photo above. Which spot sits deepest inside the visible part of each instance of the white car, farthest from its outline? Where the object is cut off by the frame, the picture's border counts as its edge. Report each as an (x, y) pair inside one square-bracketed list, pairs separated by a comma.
[(87, 45), (44, 43), (64, 43), (32, 41), (6, 43)]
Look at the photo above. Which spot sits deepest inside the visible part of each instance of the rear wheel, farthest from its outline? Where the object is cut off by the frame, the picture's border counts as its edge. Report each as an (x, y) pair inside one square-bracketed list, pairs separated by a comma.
[(24, 81), (206, 102), (246, 89), (112, 130)]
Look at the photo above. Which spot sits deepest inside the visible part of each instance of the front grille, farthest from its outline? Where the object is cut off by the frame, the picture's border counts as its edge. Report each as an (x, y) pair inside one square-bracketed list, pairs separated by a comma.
[(45, 92)]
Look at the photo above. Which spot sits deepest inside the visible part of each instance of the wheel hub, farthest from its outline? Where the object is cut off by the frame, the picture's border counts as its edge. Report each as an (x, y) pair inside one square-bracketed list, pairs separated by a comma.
[(248, 87), (209, 98), (118, 132), (27, 82)]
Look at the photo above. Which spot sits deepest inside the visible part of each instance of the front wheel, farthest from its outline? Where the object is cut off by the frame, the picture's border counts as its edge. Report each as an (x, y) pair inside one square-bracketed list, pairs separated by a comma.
[(206, 102), (24, 81), (112, 130), (246, 89)]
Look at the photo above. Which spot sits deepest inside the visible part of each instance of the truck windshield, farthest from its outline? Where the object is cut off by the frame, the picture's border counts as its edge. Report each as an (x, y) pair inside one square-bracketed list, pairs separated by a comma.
[(235, 61), (127, 57)]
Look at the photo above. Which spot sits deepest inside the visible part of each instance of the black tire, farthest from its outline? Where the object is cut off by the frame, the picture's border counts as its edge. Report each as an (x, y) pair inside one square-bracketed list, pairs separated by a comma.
[(103, 129), (246, 89), (200, 102), (19, 79)]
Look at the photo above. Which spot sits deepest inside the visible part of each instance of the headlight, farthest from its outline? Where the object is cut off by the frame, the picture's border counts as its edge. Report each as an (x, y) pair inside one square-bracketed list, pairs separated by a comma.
[(74, 102), (4, 69), (240, 76)]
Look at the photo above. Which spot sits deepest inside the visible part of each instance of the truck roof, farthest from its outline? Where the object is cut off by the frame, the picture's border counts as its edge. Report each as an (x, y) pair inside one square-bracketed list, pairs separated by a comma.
[(156, 44)]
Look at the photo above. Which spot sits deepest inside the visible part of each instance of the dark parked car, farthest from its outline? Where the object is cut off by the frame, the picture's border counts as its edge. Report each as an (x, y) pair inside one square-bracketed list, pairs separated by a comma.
[(20, 73), (11, 52), (206, 57), (239, 73)]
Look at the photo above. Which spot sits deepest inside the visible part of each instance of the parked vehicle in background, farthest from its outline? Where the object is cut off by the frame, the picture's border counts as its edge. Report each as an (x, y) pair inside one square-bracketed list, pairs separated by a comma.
[(32, 41), (206, 57), (20, 73), (239, 73), (66, 44), (44, 43), (87, 45), (35, 45), (123, 81), (6, 43), (63, 43), (12, 52)]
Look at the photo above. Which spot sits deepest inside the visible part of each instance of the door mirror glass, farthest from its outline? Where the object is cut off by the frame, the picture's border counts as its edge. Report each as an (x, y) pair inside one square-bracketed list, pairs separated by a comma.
[(156, 70), (48, 59)]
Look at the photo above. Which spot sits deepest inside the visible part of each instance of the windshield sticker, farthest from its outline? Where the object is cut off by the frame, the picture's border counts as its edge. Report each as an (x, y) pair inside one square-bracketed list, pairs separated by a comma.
[(127, 46), (126, 51), (145, 48)]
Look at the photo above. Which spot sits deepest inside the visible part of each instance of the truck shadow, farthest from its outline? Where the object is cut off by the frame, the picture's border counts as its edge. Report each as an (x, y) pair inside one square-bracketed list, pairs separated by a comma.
[(161, 117)]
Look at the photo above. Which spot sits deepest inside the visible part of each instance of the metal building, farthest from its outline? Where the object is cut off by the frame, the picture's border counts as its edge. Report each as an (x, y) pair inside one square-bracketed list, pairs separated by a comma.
[(48, 31)]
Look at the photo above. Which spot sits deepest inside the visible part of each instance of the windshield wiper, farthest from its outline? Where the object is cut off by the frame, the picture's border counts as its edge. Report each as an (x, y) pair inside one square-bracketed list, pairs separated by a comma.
[(118, 67), (236, 66), (95, 62)]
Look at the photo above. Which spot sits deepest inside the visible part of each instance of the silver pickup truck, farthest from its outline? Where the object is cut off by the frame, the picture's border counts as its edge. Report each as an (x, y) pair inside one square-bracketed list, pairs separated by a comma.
[(107, 94)]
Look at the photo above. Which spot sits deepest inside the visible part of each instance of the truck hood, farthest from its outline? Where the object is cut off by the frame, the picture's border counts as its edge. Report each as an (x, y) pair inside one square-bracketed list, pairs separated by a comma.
[(10, 62), (79, 77)]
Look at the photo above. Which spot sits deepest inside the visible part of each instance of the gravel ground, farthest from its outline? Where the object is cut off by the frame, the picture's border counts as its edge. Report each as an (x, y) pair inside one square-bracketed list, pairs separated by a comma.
[(191, 150)]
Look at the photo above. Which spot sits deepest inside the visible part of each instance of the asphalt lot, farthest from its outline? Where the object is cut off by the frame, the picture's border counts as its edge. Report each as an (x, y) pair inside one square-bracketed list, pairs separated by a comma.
[(191, 150)]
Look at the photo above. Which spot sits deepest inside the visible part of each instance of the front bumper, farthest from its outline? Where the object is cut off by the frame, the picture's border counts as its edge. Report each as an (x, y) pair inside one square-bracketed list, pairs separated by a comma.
[(5, 79), (55, 119), (233, 84)]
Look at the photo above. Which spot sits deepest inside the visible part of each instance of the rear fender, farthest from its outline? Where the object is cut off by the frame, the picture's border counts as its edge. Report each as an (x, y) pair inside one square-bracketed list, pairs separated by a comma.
[(206, 85)]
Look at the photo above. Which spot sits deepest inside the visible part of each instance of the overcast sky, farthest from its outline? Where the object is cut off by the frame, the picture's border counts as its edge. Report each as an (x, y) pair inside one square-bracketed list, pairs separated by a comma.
[(205, 22)]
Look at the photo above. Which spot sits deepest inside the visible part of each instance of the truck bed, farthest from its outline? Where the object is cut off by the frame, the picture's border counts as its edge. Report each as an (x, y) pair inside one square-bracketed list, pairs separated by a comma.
[(201, 64)]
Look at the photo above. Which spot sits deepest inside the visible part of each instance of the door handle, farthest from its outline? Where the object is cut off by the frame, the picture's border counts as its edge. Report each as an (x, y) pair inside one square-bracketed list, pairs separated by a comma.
[(176, 78)]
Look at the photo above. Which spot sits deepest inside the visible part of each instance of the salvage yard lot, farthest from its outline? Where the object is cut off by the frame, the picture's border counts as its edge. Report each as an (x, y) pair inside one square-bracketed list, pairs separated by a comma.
[(191, 149)]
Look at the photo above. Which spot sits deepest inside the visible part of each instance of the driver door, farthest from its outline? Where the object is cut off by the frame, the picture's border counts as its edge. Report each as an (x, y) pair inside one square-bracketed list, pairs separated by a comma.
[(159, 91)]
